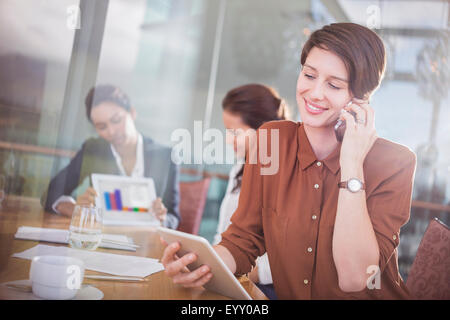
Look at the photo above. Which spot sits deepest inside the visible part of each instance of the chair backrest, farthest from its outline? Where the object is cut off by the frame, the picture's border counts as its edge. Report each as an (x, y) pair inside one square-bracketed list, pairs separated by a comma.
[(192, 203), (429, 276)]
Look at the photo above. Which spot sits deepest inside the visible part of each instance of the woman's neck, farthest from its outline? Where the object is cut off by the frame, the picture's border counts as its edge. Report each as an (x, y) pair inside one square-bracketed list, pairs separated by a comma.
[(323, 140), (128, 149)]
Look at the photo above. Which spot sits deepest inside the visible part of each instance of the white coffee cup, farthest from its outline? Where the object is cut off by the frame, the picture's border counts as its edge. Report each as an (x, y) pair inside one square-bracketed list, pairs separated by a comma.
[(56, 277)]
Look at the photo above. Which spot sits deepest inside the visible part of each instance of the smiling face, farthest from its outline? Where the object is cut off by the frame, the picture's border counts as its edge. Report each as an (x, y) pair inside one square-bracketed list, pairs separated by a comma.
[(235, 128), (113, 123), (322, 89)]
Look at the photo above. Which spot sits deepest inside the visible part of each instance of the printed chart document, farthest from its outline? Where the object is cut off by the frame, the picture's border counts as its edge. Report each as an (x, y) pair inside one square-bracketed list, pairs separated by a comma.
[(115, 264)]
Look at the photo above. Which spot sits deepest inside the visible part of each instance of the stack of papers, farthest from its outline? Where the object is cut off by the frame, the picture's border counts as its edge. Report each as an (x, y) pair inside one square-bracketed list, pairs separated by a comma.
[(62, 236), (115, 264)]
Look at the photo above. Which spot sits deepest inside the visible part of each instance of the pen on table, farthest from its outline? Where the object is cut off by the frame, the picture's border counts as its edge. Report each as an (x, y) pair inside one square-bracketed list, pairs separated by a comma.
[(113, 278), (126, 244), (27, 288)]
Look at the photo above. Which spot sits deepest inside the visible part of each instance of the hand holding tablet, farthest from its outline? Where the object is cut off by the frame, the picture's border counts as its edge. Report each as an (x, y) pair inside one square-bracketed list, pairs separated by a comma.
[(192, 262), (176, 267)]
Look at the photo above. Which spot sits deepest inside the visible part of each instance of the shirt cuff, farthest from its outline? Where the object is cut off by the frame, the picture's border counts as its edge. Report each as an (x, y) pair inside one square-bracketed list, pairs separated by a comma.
[(217, 239), (264, 273), (62, 199)]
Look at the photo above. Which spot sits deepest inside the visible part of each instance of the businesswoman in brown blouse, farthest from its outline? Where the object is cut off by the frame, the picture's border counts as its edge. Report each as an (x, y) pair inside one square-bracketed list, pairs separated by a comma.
[(329, 218)]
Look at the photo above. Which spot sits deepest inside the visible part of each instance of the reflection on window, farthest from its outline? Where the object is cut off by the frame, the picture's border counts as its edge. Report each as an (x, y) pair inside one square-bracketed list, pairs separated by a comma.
[(35, 51)]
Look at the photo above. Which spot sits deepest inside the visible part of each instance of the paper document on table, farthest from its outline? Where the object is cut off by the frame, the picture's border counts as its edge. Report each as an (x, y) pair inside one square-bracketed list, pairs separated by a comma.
[(116, 264), (62, 236)]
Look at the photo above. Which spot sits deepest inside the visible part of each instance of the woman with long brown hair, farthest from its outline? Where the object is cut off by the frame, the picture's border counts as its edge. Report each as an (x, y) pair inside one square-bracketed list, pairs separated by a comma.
[(330, 218)]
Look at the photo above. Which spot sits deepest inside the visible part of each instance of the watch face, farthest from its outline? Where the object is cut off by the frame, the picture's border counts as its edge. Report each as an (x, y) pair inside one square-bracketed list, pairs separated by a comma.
[(354, 185)]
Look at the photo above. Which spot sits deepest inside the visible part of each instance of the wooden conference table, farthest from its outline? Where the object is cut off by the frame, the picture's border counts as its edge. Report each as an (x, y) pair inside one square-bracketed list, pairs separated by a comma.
[(20, 211)]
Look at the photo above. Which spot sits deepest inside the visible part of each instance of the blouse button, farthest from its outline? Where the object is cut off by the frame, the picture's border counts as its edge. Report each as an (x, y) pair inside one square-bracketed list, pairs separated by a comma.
[(316, 186), (305, 281), (309, 249), (394, 237), (319, 163), (314, 217)]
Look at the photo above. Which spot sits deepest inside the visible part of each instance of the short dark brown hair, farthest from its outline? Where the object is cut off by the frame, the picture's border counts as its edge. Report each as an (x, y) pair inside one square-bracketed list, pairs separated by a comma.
[(361, 50), (106, 93)]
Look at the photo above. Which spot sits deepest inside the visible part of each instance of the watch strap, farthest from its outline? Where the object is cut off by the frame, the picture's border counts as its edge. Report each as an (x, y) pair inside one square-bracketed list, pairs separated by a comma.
[(343, 184)]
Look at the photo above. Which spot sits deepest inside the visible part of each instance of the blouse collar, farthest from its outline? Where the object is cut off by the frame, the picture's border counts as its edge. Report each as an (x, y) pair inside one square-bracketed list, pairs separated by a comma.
[(306, 156)]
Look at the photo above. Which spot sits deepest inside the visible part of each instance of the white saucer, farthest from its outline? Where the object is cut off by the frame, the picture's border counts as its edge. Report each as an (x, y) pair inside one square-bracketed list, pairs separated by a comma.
[(86, 292)]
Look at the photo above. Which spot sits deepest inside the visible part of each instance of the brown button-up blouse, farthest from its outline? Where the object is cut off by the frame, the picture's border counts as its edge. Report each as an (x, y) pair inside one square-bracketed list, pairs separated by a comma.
[(291, 214)]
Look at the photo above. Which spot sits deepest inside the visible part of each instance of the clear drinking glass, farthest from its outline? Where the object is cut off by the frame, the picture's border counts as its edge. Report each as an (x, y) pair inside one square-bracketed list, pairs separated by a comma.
[(86, 227)]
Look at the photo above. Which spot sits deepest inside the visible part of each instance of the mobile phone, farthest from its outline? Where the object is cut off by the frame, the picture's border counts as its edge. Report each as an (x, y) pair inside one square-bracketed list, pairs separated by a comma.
[(339, 128)]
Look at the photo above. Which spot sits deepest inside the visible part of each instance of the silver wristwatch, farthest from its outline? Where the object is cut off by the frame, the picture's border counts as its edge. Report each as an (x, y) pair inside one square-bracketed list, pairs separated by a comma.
[(353, 185)]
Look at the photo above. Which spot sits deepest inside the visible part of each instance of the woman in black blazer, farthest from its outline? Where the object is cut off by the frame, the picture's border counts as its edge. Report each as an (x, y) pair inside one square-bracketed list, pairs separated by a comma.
[(120, 149)]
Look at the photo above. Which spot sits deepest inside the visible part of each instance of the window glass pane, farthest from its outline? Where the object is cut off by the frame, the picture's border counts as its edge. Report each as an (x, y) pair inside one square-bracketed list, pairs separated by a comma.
[(162, 53), (153, 55), (35, 50)]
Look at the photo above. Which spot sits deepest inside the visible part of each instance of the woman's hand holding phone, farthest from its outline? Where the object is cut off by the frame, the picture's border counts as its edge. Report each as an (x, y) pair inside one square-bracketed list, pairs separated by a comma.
[(359, 136)]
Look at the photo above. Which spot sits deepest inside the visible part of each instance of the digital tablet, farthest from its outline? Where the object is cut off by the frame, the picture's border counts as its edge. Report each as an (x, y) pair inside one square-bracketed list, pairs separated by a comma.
[(125, 200), (223, 281)]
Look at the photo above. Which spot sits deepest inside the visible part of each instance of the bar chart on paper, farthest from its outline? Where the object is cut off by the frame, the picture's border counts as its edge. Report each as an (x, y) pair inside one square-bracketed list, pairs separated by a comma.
[(115, 200), (126, 197)]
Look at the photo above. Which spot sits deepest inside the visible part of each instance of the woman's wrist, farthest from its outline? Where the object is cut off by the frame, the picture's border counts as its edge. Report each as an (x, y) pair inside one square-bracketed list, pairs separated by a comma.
[(65, 208), (349, 171)]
